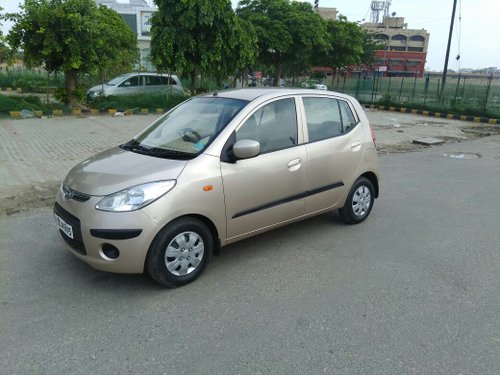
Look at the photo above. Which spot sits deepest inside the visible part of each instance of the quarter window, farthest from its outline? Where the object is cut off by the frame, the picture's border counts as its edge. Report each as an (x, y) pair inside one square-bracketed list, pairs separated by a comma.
[(274, 126)]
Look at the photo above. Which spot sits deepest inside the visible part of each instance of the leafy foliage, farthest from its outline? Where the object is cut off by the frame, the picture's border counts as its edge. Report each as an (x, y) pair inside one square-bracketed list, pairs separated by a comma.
[(200, 35), (370, 45), (73, 36), (4, 50), (135, 102), (288, 32), (347, 41)]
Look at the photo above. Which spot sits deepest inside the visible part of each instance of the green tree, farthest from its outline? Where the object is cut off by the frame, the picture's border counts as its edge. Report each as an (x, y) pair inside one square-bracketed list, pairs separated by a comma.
[(117, 36), (370, 45), (289, 33), (4, 50), (72, 36), (191, 36), (347, 41)]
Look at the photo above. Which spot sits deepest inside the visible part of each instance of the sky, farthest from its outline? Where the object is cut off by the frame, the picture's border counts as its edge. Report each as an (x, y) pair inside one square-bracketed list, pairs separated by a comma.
[(478, 32)]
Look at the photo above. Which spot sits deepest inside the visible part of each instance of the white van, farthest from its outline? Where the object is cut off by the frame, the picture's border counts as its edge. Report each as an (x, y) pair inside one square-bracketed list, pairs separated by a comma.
[(136, 84)]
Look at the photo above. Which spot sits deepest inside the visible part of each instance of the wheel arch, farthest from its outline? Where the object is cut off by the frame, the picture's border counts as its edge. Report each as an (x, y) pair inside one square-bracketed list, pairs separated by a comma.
[(205, 220), (374, 180)]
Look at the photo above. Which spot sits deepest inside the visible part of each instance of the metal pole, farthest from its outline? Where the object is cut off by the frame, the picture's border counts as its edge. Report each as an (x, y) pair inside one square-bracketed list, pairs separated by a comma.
[(445, 70), (487, 93), (401, 89), (456, 91), (414, 87), (357, 86)]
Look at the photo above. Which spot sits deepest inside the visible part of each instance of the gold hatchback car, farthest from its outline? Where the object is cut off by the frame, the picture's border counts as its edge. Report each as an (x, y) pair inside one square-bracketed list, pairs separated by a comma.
[(217, 169)]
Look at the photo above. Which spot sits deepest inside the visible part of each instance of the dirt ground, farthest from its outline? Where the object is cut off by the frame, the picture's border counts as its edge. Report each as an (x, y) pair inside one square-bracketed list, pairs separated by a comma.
[(395, 133)]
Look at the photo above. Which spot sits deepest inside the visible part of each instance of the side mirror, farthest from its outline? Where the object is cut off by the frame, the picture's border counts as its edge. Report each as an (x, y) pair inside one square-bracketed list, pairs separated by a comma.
[(246, 149), (126, 83)]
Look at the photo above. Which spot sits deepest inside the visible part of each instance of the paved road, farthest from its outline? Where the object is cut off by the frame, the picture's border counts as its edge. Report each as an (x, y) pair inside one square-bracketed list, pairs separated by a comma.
[(413, 290)]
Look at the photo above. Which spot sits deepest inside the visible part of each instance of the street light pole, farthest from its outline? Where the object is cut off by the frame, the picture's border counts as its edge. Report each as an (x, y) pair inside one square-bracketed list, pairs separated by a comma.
[(445, 70)]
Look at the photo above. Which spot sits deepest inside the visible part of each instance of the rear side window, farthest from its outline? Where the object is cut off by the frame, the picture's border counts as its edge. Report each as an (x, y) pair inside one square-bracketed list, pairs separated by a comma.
[(323, 118), (327, 118), (153, 80), (348, 119)]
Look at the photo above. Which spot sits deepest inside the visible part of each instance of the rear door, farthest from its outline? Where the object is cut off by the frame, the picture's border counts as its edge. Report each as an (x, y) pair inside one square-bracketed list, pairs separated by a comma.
[(334, 150), (270, 188)]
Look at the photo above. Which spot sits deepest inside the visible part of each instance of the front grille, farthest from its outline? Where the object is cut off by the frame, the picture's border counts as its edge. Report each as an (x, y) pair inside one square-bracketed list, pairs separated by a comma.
[(80, 197), (69, 193), (76, 243)]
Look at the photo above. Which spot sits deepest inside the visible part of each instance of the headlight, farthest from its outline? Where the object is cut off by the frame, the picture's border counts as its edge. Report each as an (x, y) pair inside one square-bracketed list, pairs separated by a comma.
[(135, 197)]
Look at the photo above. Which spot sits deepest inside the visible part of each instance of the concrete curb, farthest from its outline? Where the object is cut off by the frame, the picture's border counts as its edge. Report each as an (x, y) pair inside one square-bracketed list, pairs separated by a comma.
[(145, 111), (16, 89), (449, 116), (92, 111)]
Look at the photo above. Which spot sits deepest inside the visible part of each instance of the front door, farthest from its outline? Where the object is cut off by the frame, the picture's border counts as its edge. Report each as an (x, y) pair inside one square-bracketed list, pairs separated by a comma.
[(269, 188)]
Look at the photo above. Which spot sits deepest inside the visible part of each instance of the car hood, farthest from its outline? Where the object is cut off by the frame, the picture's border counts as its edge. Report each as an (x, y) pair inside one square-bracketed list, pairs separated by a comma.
[(117, 169)]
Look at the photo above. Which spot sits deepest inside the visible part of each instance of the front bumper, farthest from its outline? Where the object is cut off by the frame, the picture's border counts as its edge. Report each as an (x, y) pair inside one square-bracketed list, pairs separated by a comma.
[(95, 232)]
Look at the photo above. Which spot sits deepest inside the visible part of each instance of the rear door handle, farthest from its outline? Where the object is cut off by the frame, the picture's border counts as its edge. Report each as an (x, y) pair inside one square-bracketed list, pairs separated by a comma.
[(356, 145), (294, 165)]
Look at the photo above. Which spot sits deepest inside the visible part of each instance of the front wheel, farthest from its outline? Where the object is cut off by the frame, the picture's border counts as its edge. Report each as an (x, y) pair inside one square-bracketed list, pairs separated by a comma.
[(180, 252), (359, 202)]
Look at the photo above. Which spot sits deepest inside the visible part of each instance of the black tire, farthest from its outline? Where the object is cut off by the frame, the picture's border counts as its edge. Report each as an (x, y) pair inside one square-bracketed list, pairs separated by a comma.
[(186, 263), (359, 202)]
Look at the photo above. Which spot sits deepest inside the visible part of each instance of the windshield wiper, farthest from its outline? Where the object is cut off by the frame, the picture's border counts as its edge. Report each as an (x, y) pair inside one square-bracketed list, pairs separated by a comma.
[(134, 146)]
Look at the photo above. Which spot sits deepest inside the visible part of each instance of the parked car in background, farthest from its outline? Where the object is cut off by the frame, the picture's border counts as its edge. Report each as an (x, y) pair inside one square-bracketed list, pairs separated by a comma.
[(214, 170), (314, 84), (136, 84)]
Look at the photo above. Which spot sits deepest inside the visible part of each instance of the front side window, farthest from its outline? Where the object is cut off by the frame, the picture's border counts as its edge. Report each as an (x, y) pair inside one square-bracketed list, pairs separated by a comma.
[(274, 126), (131, 82), (188, 129)]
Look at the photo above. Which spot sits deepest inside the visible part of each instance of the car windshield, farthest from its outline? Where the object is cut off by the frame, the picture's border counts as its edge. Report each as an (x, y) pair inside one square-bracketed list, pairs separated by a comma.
[(116, 80), (188, 129)]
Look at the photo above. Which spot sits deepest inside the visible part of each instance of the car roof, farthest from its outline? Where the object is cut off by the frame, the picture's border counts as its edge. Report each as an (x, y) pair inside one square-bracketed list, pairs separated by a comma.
[(144, 73), (251, 94)]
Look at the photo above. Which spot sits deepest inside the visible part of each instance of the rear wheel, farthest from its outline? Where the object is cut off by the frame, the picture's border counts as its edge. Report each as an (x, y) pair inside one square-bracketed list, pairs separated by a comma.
[(359, 202), (180, 252)]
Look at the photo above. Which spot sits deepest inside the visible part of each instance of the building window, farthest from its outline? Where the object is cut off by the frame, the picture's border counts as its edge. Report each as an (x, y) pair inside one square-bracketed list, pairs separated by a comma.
[(381, 37), (399, 37), (394, 48), (415, 49), (417, 38)]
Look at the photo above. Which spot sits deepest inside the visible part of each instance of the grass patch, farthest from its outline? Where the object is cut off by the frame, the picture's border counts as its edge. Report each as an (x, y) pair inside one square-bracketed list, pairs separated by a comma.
[(33, 103), (131, 102)]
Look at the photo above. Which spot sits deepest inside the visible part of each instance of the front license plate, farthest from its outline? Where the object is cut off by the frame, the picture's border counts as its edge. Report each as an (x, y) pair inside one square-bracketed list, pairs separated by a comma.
[(65, 227)]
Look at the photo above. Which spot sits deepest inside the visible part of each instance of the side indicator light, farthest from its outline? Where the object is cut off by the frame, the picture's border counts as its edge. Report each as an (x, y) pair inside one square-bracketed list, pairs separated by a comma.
[(208, 188)]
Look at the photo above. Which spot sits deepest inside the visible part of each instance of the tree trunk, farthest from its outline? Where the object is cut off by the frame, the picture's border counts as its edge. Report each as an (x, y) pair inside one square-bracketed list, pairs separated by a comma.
[(277, 72), (70, 83), (193, 81)]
